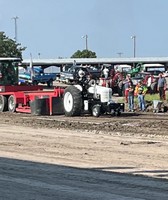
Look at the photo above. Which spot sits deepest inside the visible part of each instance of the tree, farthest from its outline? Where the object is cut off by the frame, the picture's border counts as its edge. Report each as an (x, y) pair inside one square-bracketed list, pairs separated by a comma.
[(84, 54), (9, 48)]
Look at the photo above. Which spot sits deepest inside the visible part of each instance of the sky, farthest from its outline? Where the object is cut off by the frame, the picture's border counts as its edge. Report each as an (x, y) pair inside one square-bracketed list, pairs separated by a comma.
[(54, 28)]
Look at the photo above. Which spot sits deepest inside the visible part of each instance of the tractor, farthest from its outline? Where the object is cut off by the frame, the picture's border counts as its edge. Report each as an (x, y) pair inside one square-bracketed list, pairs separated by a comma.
[(138, 68), (87, 97)]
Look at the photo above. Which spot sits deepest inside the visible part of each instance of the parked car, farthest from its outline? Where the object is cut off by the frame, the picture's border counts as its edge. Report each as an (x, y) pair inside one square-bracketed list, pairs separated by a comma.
[(165, 74), (141, 76), (144, 77), (155, 73)]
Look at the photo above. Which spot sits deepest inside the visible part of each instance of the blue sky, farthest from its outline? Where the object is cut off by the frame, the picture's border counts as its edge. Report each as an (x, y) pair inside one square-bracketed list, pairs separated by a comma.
[(54, 28)]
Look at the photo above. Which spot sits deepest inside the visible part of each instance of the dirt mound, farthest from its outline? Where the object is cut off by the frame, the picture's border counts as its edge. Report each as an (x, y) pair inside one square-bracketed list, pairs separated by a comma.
[(131, 123)]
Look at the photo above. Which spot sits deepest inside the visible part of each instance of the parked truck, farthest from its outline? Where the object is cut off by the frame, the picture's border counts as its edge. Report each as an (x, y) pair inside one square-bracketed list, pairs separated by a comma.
[(37, 76), (71, 74)]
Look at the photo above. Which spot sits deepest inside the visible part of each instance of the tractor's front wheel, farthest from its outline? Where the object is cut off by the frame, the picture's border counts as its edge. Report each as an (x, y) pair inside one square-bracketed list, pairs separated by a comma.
[(96, 110)]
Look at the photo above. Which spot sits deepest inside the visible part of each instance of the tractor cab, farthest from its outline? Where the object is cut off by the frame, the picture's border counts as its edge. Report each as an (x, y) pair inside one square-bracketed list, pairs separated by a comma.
[(9, 71)]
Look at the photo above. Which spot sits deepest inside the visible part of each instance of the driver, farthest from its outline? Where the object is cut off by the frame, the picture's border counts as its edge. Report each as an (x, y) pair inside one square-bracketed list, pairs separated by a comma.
[(81, 73)]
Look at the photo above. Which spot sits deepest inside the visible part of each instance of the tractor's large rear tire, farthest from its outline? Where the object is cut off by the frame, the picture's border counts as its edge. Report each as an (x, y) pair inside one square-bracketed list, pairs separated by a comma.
[(3, 103), (12, 103), (72, 101)]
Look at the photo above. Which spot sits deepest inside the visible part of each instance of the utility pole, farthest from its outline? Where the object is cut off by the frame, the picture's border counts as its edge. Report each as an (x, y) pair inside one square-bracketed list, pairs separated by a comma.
[(134, 44), (15, 21), (86, 41), (39, 54), (120, 54)]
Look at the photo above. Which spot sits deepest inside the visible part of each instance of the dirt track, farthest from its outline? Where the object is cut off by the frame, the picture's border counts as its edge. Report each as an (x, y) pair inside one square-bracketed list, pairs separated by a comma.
[(53, 157)]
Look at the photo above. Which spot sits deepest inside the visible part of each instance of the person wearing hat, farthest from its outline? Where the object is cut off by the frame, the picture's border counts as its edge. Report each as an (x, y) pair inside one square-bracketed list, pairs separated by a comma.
[(140, 91), (126, 83), (162, 87)]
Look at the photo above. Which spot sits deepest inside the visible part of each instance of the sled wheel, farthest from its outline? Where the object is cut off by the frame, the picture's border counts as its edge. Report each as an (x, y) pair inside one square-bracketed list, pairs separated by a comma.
[(11, 103), (3, 103), (96, 110), (72, 101)]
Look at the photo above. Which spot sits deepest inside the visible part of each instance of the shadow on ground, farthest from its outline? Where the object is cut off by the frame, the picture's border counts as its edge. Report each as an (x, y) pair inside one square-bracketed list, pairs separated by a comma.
[(29, 180)]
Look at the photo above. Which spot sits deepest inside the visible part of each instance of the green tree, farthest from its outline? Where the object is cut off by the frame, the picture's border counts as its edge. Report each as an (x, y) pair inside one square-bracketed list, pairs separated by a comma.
[(84, 54), (9, 48)]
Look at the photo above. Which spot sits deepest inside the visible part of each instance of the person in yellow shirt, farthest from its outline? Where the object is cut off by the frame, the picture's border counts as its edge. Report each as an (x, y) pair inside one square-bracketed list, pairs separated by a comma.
[(140, 91)]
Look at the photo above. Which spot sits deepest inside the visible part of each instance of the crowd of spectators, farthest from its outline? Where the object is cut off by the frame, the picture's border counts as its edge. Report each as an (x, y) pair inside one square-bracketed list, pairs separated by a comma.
[(131, 91)]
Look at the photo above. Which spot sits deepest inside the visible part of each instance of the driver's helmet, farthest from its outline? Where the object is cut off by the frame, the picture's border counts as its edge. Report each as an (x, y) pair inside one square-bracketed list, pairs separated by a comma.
[(81, 73)]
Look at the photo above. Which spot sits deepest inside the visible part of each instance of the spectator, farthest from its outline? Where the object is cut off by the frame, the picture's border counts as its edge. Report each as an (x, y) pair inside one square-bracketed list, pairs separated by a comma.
[(140, 91), (149, 82), (126, 85), (162, 87), (102, 81), (112, 72), (130, 97), (106, 72)]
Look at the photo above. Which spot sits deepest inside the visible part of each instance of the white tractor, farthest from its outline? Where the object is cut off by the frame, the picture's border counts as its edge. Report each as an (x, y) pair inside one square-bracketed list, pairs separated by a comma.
[(88, 97)]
